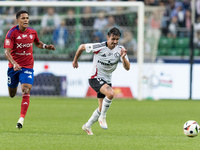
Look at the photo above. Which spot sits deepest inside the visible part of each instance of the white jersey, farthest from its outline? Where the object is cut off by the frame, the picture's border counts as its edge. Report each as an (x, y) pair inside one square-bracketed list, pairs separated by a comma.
[(105, 60)]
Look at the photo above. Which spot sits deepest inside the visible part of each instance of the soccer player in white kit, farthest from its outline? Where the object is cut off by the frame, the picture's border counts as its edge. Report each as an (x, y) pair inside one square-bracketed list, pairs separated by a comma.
[(106, 57)]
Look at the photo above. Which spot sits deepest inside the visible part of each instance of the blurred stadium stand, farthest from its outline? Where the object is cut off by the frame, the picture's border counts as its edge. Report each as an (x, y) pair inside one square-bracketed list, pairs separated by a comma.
[(81, 30)]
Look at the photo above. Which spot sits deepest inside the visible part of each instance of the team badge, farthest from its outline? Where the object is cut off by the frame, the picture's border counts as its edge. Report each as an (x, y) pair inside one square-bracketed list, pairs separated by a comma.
[(7, 42), (117, 55), (31, 36)]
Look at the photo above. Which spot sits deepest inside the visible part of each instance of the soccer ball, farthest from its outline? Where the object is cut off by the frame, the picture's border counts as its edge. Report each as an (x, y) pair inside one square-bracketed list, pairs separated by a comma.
[(191, 128)]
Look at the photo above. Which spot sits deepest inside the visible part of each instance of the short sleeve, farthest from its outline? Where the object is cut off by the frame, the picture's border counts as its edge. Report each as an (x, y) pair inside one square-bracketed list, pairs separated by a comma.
[(94, 47), (89, 47), (9, 42), (36, 37)]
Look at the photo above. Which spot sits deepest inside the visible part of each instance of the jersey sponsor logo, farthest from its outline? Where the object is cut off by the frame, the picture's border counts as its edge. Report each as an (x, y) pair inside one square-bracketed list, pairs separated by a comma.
[(21, 45), (19, 37), (28, 72), (25, 103), (7, 42), (24, 53), (106, 64)]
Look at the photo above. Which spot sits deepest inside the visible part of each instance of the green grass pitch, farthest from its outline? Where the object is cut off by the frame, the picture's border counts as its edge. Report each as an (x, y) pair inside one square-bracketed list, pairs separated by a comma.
[(55, 124)]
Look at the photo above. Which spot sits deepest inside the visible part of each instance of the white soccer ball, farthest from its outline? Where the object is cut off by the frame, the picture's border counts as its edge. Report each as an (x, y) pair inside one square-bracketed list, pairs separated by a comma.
[(191, 128)]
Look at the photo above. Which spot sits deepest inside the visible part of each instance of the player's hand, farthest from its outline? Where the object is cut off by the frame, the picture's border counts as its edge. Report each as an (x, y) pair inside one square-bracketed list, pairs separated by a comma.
[(50, 47), (75, 64), (17, 67), (123, 52)]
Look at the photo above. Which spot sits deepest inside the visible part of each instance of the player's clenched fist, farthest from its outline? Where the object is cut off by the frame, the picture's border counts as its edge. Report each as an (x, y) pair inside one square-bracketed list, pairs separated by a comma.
[(123, 52), (50, 47)]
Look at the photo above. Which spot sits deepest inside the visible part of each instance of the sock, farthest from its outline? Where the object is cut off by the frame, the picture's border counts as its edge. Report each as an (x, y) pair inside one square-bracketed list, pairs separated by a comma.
[(105, 105), (21, 118), (24, 105), (93, 118)]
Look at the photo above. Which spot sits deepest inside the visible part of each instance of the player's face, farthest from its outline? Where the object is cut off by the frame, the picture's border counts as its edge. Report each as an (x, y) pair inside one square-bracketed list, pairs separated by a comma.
[(23, 21), (112, 41)]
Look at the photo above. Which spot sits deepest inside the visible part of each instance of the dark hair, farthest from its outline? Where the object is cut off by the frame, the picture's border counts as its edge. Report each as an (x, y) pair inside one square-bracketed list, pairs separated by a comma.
[(21, 12), (114, 31)]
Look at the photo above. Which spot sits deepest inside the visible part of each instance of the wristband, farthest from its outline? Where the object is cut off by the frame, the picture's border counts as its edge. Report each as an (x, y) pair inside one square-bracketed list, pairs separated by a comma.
[(44, 46)]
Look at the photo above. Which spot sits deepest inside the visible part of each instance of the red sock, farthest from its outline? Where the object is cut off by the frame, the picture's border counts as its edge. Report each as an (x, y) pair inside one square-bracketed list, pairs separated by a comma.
[(24, 104)]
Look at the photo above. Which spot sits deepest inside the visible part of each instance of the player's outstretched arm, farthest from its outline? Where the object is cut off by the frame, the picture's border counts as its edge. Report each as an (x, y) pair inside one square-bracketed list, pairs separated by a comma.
[(44, 46), (79, 51), (125, 62), (16, 66)]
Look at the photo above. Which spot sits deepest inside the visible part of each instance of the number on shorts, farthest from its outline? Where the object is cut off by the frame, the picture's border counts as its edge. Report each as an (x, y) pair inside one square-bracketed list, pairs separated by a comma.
[(9, 80)]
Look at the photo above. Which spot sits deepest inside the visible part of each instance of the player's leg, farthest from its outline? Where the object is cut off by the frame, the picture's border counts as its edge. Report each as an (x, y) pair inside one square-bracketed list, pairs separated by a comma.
[(107, 91), (93, 118), (26, 78), (94, 83), (12, 92), (26, 88), (100, 100), (24, 104), (105, 104), (87, 126), (13, 80)]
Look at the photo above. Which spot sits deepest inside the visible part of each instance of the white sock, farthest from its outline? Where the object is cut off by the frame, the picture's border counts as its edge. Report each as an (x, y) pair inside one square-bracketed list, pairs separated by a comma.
[(21, 118), (106, 104), (93, 118)]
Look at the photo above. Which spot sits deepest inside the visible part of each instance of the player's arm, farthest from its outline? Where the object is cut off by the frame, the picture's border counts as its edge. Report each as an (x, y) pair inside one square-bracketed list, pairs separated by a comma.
[(44, 46), (9, 57), (126, 63), (79, 51)]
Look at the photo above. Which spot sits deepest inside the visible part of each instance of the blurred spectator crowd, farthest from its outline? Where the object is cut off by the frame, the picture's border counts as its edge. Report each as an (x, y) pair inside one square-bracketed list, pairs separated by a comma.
[(61, 26)]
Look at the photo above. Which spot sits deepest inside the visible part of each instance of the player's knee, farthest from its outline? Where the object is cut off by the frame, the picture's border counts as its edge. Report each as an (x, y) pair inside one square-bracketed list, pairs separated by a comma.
[(25, 90), (111, 95)]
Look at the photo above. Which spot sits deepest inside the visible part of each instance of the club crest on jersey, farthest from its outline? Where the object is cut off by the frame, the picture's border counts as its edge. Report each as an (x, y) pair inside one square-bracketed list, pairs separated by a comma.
[(31, 36), (7, 42), (116, 55)]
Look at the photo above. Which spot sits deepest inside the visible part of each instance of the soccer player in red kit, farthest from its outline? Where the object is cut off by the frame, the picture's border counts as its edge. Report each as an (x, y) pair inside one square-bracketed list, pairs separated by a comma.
[(18, 47)]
